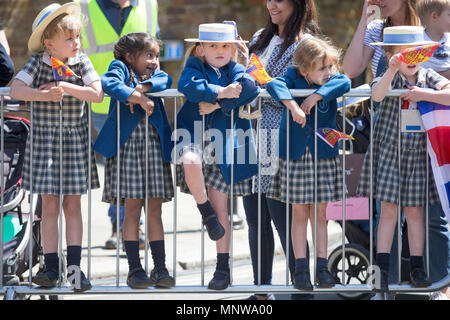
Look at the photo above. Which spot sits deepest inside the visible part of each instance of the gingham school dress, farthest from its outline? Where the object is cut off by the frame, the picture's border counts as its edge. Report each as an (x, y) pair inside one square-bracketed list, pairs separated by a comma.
[(413, 152), (132, 169), (301, 180), (212, 174), (46, 129)]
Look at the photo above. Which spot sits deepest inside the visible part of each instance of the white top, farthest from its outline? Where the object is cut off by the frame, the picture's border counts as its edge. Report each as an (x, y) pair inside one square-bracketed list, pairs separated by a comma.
[(440, 61), (374, 33)]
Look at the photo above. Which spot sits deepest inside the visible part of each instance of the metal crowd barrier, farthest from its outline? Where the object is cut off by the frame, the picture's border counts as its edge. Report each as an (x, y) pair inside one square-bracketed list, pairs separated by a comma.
[(11, 291)]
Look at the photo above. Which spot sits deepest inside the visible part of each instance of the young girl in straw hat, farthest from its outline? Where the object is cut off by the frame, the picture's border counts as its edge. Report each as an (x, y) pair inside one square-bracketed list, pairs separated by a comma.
[(214, 85), (410, 183), (56, 33)]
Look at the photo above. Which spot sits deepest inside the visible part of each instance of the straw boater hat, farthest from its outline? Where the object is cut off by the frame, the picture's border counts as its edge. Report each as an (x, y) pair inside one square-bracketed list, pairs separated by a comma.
[(403, 36), (47, 15), (215, 32)]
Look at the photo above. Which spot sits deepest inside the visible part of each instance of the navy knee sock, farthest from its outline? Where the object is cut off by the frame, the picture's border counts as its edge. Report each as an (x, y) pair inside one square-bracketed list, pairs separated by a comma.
[(206, 210), (158, 254), (73, 255), (51, 261), (416, 262), (132, 250), (322, 263), (301, 264), (222, 264), (382, 261)]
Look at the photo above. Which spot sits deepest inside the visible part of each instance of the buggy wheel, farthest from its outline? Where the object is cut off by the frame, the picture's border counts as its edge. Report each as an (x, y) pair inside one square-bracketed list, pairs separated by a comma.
[(356, 264)]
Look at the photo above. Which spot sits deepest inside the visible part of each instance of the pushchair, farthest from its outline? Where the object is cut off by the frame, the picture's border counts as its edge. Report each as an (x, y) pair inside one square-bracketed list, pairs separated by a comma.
[(16, 230), (357, 232)]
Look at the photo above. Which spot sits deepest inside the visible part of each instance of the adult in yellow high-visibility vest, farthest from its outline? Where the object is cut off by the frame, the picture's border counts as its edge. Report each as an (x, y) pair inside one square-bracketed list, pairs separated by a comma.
[(107, 21)]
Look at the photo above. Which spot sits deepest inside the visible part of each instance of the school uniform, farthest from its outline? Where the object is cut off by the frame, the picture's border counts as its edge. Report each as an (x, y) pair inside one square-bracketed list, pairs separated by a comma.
[(132, 139), (46, 131), (301, 143), (413, 151), (200, 82)]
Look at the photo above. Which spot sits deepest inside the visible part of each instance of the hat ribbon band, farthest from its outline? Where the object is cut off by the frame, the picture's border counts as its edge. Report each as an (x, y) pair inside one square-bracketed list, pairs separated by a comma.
[(216, 36), (45, 16), (402, 38)]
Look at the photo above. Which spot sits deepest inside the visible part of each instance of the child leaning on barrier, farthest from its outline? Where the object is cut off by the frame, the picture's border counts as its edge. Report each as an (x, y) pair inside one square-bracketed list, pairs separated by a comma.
[(412, 177), (56, 33), (214, 85), (134, 73), (315, 67)]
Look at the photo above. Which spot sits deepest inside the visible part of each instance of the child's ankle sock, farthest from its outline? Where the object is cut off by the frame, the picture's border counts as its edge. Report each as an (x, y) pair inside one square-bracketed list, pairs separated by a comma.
[(51, 261), (158, 254), (416, 262), (132, 250), (322, 263), (382, 261), (222, 264), (206, 210), (301, 264), (73, 255)]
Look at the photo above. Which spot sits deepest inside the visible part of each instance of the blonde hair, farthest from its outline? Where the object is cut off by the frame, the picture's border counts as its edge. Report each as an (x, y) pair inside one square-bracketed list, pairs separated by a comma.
[(62, 23), (312, 51), (426, 7), (192, 52)]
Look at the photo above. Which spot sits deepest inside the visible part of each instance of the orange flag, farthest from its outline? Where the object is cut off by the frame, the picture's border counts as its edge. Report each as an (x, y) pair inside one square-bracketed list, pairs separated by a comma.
[(418, 54), (257, 71), (61, 70)]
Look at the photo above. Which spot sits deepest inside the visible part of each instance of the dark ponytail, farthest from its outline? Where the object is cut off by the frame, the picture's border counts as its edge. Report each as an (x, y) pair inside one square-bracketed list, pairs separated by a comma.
[(133, 43)]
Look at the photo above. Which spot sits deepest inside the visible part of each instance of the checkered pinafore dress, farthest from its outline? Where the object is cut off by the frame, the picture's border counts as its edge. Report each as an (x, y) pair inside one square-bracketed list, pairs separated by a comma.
[(46, 129), (132, 169), (386, 182)]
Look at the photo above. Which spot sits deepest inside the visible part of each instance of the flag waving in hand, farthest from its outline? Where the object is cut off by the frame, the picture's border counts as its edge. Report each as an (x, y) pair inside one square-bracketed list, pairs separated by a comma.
[(61, 70), (418, 54), (257, 71), (331, 136)]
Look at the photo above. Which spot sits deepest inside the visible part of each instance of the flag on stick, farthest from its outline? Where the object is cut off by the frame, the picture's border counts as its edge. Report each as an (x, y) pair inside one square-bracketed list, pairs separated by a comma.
[(331, 136), (61, 70), (418, 54), (257, 71)]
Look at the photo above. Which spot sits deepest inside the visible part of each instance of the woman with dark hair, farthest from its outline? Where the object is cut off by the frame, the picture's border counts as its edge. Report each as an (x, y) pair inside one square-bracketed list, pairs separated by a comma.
[(289, 22)]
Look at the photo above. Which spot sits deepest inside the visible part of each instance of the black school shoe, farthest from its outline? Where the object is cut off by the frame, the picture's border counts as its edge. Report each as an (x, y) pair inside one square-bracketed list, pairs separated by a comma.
[(302, 280), (161, 278), (46, 278), (216, 232), (325, 279), (84, 283), (419, 278), (219, 284), (137, 279)]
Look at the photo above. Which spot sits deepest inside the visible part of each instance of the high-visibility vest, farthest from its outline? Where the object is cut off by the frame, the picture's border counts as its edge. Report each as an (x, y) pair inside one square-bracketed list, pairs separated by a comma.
[(99, 37)]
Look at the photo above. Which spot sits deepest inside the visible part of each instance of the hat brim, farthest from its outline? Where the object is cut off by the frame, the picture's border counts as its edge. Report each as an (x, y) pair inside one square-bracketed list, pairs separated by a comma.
[(228, 41), (34, 43), (410, 44)]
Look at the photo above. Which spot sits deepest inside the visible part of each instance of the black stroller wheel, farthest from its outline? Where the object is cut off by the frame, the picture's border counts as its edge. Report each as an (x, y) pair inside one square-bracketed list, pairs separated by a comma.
[(356, 266)]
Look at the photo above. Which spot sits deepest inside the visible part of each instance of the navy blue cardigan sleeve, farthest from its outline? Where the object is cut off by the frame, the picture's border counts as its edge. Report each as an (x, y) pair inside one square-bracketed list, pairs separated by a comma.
[(279, 87), (6, 67), (159, 80), (114, 81), (249, 89), (193, 84), (333, 89)]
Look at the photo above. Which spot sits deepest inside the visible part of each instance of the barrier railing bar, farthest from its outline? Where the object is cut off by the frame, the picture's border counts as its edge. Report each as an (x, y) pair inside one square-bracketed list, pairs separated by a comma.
[(399, 208)]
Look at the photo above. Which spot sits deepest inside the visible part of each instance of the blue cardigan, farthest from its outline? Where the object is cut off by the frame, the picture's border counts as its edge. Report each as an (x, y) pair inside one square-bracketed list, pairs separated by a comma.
[(199, 82), (327, 109), (114, 83)]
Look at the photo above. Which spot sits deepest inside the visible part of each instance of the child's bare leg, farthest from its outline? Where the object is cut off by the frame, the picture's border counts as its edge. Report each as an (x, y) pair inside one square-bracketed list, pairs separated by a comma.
[(416, 230), (74, 221), (219, 201), (192, 164), (386, 227), (131, 221), (155, 225), (300, 215), (49, 226), (322, 234)]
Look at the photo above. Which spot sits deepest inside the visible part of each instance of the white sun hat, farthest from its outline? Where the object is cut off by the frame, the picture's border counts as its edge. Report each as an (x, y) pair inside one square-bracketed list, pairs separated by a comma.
[(403, 36), (215, 32), (47, 15)]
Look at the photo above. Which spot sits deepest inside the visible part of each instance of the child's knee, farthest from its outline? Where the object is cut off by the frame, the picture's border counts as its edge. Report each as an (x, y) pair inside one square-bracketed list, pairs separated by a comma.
[(300, 213), (72, 205)]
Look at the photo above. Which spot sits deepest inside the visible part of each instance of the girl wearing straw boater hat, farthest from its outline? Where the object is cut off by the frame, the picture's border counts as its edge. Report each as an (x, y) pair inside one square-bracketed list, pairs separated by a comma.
[(411, 180), (214, 85), (56, 34)]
